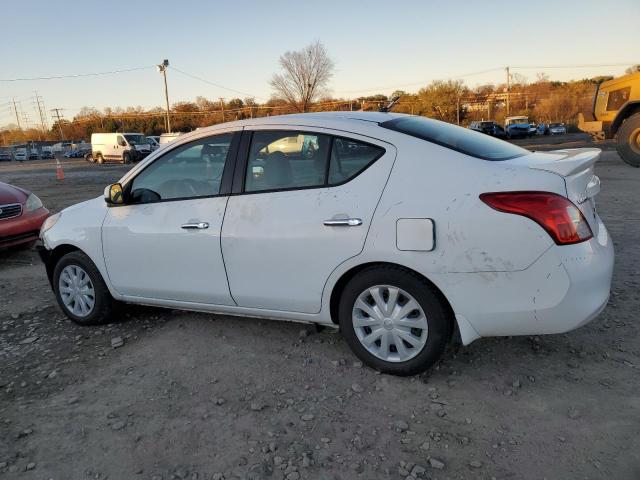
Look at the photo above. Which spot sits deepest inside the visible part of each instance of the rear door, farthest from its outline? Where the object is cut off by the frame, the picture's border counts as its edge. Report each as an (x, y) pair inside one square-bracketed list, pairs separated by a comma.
[(296, 214)]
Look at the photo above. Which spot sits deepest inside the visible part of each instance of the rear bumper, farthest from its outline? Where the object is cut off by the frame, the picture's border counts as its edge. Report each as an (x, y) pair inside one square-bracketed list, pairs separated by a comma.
[(567, 287), (22, 229)]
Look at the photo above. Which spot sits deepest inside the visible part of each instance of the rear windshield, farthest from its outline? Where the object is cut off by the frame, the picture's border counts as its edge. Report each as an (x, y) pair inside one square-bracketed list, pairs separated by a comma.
[(456, 138)]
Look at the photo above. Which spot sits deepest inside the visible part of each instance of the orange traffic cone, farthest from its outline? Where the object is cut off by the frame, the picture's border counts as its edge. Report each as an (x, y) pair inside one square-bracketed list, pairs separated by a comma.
[(59, 171)]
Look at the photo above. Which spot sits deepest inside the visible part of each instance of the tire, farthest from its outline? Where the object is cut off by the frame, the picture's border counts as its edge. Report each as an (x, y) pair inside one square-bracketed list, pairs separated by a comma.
[(439, 325), (99, 159), (126, 158), (89, 158), (628, 140), (103, 303)]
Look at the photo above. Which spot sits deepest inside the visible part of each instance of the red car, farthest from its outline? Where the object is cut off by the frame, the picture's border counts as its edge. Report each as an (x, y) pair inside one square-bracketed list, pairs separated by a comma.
[(21, 215)]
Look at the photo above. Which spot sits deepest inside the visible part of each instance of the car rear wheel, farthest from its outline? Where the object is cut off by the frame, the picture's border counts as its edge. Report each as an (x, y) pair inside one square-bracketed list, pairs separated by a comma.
[(393, 320), (628, 140), (99, 158), (81, 291), (126, 158)]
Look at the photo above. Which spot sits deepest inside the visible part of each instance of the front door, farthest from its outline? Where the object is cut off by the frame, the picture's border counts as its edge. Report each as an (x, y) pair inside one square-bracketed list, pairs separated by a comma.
[(164, 243), (305, 207)]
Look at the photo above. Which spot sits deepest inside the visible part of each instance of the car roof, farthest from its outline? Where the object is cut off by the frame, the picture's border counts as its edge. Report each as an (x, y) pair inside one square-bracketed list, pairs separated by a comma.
[(349, 121)]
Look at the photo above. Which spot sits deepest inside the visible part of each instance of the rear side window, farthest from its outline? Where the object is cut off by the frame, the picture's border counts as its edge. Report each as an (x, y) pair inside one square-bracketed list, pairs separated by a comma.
[(456, 138), (285, 160), (281, 160), (349, 158)]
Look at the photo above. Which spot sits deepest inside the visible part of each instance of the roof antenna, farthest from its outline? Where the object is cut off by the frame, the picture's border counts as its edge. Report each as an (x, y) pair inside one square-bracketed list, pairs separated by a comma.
[(390, 105)]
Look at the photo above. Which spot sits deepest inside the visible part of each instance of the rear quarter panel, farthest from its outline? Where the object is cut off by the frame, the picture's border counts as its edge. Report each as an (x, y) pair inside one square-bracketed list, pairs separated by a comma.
[(430, 181)]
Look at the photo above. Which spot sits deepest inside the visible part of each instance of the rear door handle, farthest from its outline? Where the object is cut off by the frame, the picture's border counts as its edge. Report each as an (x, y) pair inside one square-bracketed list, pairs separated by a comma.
[(196, 225), (343, 222)]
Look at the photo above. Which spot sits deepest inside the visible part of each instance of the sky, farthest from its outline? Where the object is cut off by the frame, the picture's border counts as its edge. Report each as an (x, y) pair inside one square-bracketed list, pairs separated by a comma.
[(377, 46)]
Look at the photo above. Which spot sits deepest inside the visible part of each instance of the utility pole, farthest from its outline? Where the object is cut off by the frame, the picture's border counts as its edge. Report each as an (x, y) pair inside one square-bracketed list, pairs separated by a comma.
[(508, 90), (57, 115), (222, 107), (40, 104), (458, 108), (15, 109), (162, 68)]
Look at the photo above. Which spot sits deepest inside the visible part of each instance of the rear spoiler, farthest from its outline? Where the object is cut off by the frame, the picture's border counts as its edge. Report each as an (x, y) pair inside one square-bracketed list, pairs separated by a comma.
[(572, 161)]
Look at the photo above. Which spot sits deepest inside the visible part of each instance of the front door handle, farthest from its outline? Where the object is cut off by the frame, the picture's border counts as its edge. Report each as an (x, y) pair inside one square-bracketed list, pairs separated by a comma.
[(343, 222), (196, 225)]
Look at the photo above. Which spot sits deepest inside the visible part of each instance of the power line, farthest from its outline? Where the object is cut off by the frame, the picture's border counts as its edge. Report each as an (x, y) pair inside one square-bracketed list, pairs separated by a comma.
[(592, 65), (76, 75), (396, 86), (214, 84)]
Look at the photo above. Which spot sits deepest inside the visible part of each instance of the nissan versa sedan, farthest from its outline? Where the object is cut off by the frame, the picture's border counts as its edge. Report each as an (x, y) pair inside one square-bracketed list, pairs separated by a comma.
[(399, 229), (21, 216)]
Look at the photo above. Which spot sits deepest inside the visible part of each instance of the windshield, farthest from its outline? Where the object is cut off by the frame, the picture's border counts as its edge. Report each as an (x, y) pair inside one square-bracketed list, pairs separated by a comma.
[(555, 125), (456, 138), (136, 139)]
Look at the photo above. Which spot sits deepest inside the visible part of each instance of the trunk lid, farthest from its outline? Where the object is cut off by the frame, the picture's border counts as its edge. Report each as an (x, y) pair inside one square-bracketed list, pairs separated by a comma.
[(576, 167)]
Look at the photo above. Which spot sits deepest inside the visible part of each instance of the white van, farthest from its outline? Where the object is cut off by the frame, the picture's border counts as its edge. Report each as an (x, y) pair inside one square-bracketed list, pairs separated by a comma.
[(118, 147)]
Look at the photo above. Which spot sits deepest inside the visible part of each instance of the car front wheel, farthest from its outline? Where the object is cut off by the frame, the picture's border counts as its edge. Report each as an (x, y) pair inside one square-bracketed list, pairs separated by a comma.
[(81, 291), (393, 320)]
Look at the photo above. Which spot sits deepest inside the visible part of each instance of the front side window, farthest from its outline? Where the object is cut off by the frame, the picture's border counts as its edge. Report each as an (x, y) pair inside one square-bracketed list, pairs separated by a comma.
[(281, 160), (456, 138), (189, 171)]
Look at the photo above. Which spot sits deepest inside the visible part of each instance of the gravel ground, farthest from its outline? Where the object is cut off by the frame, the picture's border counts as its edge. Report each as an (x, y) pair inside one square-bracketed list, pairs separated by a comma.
[(163, 394)]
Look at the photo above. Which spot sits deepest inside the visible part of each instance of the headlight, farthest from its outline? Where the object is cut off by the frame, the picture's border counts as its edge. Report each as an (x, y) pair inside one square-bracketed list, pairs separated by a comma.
[(49, 222), (33, 203)]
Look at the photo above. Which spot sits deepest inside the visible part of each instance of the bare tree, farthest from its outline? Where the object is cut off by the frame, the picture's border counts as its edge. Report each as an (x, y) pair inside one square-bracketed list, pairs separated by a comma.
[(305, 75)]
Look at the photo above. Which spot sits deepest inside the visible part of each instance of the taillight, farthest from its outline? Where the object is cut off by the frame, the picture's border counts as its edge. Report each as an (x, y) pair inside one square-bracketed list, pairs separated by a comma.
[(556, 214)]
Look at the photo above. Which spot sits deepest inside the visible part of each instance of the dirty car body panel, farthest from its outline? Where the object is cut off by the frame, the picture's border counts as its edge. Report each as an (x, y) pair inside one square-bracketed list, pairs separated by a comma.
[(416, 206)]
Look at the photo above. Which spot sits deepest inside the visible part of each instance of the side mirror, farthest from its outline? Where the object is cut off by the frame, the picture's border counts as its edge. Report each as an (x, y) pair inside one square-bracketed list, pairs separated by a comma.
[(122, 143), (113, 194)]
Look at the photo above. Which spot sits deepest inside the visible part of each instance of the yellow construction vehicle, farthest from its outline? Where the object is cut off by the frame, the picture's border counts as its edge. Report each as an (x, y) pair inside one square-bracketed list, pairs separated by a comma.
[(616, 114)]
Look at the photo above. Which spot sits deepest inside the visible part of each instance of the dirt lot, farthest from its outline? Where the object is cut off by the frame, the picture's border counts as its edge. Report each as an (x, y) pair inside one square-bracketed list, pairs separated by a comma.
[(209, 397)]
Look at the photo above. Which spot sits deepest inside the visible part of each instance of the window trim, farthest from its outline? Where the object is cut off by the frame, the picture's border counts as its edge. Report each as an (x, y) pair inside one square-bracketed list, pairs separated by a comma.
[(390, 125), (245, 147), (225, 181)]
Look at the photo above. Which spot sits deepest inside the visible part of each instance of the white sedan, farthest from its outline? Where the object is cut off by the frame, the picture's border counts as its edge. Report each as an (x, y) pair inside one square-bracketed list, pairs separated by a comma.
[(399, 229)]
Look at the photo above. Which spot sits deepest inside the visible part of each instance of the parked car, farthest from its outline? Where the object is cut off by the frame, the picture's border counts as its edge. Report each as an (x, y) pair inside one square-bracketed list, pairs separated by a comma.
[(543, 129), (557, 129), (5, 156), (423, 229), (21, 155), (533, 128), (517, 127), (499, 131), (485, 126), (33, 155), (154, 141), (46, 155), (21, 215)]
